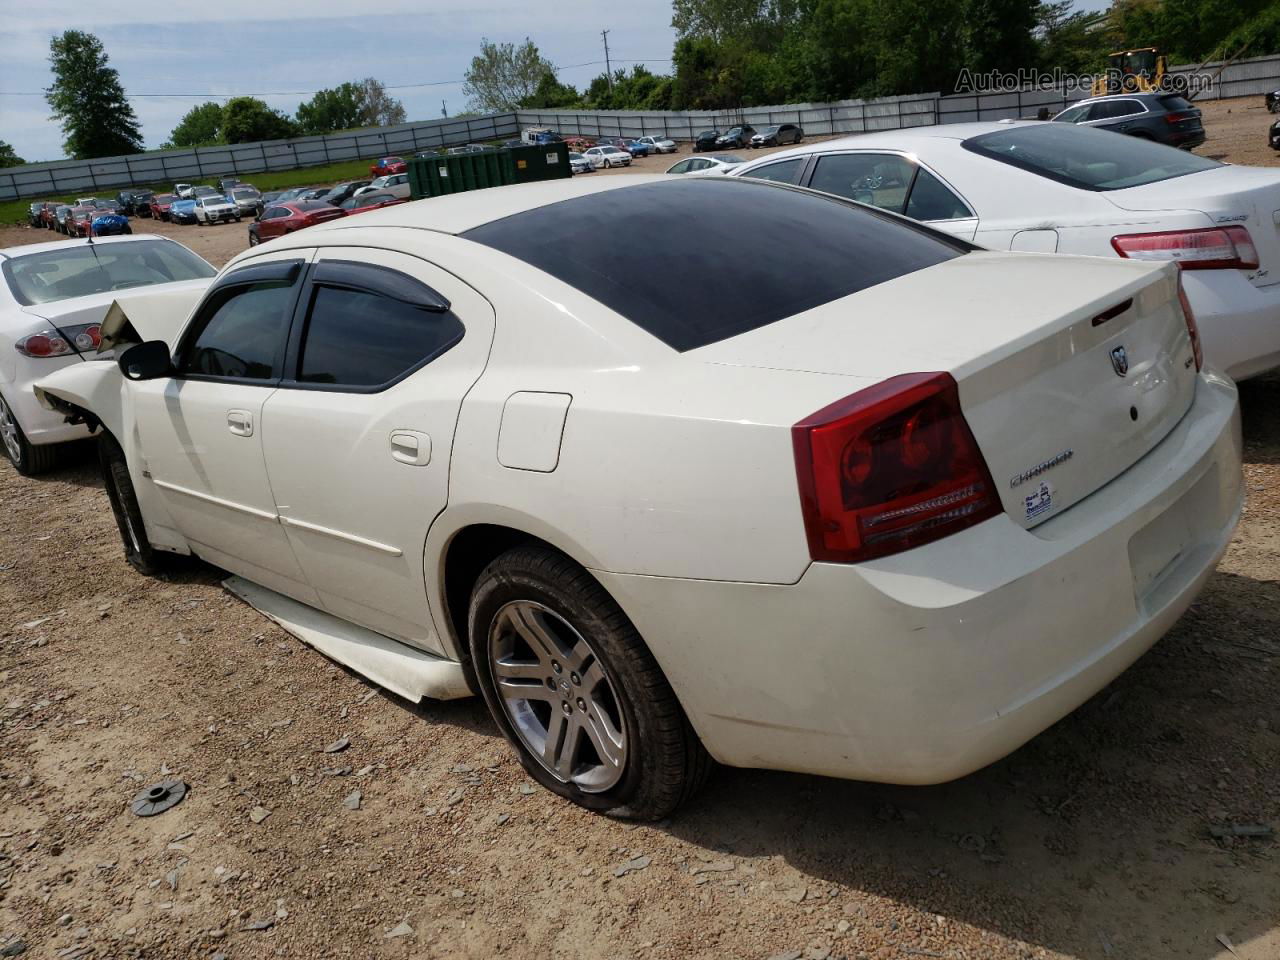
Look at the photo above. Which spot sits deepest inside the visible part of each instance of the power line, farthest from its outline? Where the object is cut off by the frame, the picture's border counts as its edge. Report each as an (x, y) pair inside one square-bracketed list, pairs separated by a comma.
[(307, 93)]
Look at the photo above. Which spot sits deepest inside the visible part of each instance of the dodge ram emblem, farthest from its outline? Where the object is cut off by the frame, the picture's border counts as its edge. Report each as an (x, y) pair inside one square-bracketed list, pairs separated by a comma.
[(1119, 361)]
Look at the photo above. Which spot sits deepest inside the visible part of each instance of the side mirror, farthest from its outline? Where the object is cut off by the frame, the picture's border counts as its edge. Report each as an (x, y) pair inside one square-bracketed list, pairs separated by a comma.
[(146, 361)]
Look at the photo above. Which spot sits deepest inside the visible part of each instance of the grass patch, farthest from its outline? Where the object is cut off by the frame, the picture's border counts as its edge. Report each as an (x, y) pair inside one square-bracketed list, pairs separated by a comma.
[(15, 211)]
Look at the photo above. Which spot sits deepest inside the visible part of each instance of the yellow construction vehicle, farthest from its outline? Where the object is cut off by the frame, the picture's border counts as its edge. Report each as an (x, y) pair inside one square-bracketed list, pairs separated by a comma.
[(1132, 71)]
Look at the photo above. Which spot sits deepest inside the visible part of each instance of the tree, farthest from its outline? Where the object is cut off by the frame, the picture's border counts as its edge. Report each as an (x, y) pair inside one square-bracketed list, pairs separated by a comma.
[(8, 158), (246, 119), (503, 75), (200, 127), (329, 110), (999, 35), (377, 109), (88, 99), (551, 94)]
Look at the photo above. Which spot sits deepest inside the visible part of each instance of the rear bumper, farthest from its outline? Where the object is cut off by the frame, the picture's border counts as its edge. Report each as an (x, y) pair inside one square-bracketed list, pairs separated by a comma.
[(1239, 323), (40, 425), (928, 665)]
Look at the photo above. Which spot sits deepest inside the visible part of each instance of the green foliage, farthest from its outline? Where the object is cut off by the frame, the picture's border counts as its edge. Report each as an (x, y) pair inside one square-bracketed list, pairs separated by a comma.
[(329, 110), (246, 119), (200, 127), (8, 158), (88, 99), (504, 75), (551, 94)]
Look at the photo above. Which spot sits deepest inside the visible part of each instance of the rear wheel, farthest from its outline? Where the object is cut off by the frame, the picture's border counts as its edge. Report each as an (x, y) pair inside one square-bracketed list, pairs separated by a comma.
[(124, 505), (27, 458), (572, 685)]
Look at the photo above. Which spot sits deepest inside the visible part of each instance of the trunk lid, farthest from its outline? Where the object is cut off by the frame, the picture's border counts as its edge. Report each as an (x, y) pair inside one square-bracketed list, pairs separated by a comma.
[(158, 311), (1040, 383), (1229, 196)]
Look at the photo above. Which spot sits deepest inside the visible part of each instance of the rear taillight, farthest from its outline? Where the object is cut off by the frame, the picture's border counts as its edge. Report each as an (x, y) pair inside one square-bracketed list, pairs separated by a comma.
[(1172, 118), (889, 468), (83, 338), (1192, 330), (1213, 248)]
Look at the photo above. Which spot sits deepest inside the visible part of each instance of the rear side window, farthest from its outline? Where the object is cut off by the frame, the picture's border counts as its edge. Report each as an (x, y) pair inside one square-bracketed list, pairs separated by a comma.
[(930, 200), (243, 337), (784, 171), (721, 271), (1086, 158), (356, 338), (879, 179)]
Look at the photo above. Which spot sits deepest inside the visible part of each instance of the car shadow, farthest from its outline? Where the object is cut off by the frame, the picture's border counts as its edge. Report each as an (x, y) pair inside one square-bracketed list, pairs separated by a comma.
[(1260, 418)]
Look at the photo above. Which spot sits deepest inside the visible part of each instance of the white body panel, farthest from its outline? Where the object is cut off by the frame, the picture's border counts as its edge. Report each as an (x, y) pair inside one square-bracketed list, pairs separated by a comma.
[(671, 476), (1238, 311)]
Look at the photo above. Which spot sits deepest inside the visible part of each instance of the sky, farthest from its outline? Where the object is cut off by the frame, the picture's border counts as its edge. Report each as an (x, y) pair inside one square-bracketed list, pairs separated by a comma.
[(231, 47), (284, 50)]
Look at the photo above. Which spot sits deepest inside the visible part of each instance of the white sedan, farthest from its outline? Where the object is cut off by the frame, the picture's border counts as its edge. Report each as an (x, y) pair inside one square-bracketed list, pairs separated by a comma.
[(716, 165), (1058, 188), (658, 144), (869, 503), (607, 156), (52, 302), (394, 183)]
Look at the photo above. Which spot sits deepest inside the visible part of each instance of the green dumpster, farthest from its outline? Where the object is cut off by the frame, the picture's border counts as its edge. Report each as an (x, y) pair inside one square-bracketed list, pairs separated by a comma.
[(461, 172)]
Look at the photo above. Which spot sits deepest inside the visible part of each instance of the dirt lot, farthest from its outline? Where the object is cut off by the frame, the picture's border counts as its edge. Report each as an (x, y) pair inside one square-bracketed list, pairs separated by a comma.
[(1091, 841)]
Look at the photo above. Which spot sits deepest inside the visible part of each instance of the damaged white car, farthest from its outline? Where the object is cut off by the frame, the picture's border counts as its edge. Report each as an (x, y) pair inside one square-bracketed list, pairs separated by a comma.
[(872, 503)]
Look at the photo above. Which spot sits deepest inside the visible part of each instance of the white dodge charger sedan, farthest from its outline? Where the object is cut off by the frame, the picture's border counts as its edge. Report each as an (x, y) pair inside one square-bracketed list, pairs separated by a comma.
[(53, 299), (870, 502), (1058, 188)]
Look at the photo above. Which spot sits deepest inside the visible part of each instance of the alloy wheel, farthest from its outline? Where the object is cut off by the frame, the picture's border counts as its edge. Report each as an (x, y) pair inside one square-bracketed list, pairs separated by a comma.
[(557, 696), (9, 432)]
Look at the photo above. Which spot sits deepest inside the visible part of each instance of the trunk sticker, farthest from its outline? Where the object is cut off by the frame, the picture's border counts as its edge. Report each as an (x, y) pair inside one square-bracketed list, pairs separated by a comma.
[(1040, 502)]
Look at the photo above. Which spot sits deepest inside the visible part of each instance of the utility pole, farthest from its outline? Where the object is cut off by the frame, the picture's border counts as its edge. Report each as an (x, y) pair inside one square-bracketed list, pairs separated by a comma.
[(444, 109), (608, 70)]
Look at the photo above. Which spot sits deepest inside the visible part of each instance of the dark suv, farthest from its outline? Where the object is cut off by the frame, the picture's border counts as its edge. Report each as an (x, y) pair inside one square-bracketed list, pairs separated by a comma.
[(738, 137), (1275, 135), (1167, 118), (1273, 101), (706, 140)]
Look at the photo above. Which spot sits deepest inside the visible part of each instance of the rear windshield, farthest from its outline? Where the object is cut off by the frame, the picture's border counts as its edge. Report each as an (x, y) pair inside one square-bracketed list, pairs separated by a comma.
[(1172, 101), (83, 270), (1086, 158), (721, 269)]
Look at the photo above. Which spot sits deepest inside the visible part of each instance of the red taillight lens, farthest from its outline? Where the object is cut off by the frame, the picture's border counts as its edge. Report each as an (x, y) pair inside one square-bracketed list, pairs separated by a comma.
[(1172, 118), (1214, 248), (889, 468), (1192, 330), (47, 344)]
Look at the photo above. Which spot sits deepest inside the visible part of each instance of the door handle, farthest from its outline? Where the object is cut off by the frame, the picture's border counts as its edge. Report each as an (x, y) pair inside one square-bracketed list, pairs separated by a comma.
[(240, 422), (411, 446)]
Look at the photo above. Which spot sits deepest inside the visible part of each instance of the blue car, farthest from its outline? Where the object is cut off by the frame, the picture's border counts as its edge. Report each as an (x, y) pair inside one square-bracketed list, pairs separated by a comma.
[(636, 148), (109, 224), (183, 211)]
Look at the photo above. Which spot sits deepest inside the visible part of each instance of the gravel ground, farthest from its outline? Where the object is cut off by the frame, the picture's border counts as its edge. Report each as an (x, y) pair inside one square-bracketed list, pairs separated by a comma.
[(423, 838)]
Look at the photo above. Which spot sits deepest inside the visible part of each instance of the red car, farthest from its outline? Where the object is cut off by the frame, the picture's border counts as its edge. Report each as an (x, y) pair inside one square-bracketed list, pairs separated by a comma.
[(78, 221), (47, 218), (370, 201), (159, 205), (281, 218), (385, 165)]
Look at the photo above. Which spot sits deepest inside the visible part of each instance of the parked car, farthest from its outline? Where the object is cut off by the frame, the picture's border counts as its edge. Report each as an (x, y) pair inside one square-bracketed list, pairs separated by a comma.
[(108, 206), (658, 144), (78, 220), (281, 218), (183, 190), (48, 216), (1275, 135), (109, 223), (226, 183), (216, 209), (1272, 100), (343, 191), (633, 147), (364, 202), (183, 210), (579, 164), (135, 203), (159, 205), (397, 183), (719, 164), (777, 135), (271, 196), (1167, 118), (607, 156), (385, 165), (626, 621), (539, 135), (247, 199), (86, 202), (469, 148), (53, 298), (1054, 187), (737, 137), (706, 140), (205, 191), (60, 217), (34, 214)]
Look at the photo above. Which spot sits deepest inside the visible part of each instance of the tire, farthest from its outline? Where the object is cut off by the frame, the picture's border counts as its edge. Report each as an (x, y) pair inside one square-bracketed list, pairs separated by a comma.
[(128, 229), (28, 459), (253, 239), (533, 598), (124, 505)]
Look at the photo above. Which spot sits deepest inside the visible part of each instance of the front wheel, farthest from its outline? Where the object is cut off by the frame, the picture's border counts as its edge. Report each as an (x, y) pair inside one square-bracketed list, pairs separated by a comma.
[(124, 505), (253, 239), (573, 687)]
